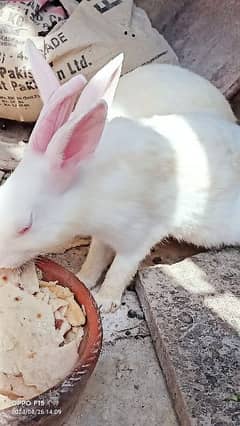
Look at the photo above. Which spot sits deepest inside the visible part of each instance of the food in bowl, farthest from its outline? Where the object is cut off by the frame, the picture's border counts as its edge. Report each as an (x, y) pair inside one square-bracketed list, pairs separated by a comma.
[(41, 327)]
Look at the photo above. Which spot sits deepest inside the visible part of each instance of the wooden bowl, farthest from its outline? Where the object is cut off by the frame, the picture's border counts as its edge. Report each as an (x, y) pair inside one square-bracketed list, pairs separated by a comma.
[(51, 407)]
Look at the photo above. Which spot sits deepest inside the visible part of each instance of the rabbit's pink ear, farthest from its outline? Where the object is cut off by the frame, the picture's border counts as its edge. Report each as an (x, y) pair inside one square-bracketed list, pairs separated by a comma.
[(77, 139), (56, 113), (102, 86), (43, 74)]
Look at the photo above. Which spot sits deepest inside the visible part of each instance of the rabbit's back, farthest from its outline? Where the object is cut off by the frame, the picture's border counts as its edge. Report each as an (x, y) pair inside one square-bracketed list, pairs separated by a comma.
[(207, 176), (177, 172), (183, 146), (166, 89)]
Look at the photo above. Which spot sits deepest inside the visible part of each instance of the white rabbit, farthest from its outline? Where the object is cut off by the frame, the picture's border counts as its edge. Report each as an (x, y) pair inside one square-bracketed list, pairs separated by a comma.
[(172, 175)]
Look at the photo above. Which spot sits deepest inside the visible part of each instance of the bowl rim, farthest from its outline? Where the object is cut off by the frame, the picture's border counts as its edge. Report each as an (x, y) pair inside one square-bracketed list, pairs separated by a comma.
[(89, 348)]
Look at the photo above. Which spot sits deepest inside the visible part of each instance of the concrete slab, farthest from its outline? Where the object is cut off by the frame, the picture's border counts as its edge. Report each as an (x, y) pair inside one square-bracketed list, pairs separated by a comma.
[(161, 12), (193, 312), (127, 388), (205, 36)]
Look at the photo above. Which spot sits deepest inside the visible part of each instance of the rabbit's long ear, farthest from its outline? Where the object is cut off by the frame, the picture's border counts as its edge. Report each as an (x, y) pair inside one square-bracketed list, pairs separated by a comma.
[(101, 86), (56, 113), (72, 144), (58, 100), (43, 74), (77, 139)]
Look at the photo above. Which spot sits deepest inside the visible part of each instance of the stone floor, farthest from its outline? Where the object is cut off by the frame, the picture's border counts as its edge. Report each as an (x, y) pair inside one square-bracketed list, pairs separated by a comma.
[(127, 387), (193, 312)]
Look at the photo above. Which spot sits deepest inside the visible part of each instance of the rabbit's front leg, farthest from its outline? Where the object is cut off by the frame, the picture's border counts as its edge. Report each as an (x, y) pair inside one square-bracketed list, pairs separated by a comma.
[(98, 259), (118, 277)]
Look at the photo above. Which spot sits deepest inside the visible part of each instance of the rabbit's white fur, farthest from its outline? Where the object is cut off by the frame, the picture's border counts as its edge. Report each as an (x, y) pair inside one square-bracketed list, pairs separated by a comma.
[(153, 89), (173, 175), (163, 184), (166, 89)]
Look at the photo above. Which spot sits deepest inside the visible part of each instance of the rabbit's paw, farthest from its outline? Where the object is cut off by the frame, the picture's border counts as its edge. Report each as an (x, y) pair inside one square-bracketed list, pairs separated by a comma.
[(107, 301)]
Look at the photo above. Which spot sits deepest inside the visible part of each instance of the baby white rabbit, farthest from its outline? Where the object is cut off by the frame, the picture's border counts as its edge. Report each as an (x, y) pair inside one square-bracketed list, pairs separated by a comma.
[(168, 175)]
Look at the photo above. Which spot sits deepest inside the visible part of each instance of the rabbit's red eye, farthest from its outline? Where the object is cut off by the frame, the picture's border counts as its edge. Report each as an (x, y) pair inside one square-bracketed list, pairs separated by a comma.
[(26, 228)]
